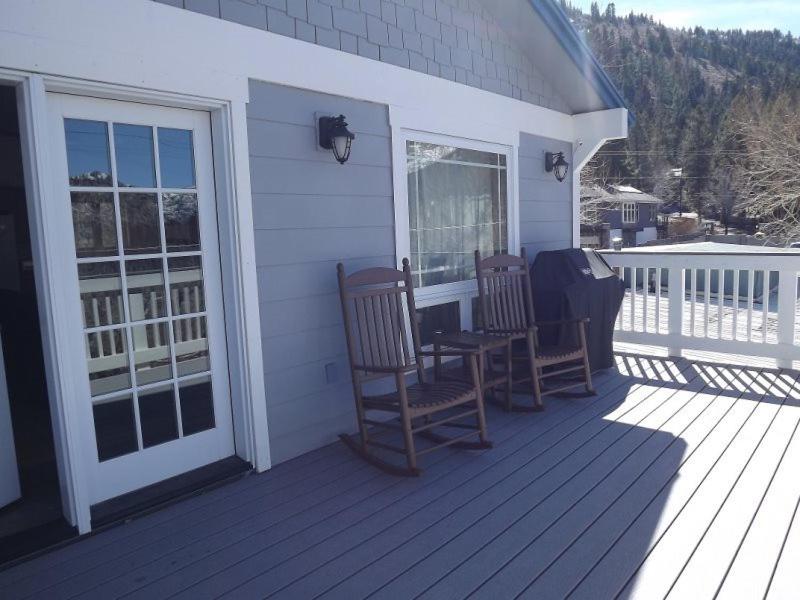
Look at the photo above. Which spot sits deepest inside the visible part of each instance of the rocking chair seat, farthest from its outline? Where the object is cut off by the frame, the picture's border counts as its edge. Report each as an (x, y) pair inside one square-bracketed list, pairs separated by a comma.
[(422, 396), (560, 353)]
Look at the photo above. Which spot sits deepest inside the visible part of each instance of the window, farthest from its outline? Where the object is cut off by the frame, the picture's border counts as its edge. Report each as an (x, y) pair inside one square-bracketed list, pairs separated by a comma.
[(630, 212), (457, 203)]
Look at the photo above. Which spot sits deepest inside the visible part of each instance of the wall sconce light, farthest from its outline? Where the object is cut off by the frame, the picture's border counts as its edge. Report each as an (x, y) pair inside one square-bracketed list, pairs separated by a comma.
[(554, 162), (334, 136)]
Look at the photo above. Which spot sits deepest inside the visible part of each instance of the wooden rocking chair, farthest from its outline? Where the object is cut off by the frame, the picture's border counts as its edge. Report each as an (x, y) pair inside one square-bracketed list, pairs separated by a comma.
[(506, 305), (374, 319)]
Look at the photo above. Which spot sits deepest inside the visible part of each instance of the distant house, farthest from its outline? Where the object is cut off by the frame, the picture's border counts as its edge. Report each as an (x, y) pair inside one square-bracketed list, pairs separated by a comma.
[(631, 214)]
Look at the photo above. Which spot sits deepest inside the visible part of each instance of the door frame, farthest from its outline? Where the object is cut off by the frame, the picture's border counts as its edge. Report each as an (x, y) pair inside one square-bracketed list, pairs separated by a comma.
[(237, 257)]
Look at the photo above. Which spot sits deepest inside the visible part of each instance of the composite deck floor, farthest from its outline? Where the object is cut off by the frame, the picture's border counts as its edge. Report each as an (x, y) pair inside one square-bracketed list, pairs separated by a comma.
[(678, 480)]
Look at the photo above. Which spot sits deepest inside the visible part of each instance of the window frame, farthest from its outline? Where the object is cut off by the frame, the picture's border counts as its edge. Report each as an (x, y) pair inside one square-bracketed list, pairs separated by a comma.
[(630, 208), (461, 291)]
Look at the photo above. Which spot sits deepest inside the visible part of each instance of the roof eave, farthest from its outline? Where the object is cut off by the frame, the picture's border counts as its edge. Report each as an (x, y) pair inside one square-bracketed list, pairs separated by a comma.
[(575, 47)]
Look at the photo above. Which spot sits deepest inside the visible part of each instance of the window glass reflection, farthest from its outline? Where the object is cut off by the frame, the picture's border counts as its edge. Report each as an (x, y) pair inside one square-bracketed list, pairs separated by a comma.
[(176, 158), (186, 284), (115, 428), (141, 233), (191, 345), (151, 360), (107, 358), (197, 405), (88, 160), (94, 224), (181, 227), (157, 416), (133, 146), (145, 280), (101, 294)]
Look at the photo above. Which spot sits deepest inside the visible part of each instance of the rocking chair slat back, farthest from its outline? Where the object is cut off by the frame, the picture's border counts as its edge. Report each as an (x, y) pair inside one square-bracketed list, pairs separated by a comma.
[(374, 318), (504, 292)]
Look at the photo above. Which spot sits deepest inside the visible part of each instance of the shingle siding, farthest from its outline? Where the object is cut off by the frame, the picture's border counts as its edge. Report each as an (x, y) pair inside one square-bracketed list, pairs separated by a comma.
[(458, 38), (309, 213)]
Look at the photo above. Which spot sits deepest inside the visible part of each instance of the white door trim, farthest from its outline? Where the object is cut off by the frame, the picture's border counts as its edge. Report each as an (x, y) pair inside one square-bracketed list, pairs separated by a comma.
[(237, 250)]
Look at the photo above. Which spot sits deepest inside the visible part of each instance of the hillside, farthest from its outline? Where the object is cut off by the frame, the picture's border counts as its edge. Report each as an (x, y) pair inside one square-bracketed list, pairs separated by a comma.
[(681, 86)]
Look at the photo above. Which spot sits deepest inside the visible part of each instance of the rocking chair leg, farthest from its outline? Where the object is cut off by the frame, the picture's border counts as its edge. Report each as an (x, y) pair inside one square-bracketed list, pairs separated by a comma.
[(408, 436), (586, 368), (510, 377), (537, 390)]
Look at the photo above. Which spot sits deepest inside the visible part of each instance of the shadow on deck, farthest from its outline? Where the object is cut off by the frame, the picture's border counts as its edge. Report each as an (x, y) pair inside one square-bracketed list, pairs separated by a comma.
[(678, 476)]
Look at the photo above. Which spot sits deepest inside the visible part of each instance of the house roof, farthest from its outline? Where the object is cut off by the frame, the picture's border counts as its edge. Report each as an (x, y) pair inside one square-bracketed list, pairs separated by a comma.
[(579, 52), (544, 33), (626, 193)]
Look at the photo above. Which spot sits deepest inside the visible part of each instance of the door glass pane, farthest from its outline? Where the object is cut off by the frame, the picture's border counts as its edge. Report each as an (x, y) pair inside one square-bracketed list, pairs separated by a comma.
[(107, 358), (152, 361), (145, 280), (133, 145), (115, 428), (87, 152), (101, 294), (197, 405), (186, 284), (141, 233), (191, 345), (94, 223), (176, 158), (181, 228), (157, 416)]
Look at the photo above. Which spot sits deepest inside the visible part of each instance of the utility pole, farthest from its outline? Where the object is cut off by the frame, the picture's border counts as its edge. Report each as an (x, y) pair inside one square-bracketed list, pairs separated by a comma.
[(679, 174)]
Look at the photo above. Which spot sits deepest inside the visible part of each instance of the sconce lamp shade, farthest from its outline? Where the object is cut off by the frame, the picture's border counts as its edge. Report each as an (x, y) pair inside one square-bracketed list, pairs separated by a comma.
[(554, 162), (334, 136)]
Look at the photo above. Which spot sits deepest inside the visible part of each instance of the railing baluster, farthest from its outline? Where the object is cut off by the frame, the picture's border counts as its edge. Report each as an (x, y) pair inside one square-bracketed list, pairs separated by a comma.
[(735, 303), (751, 285), (720, 301), (658, 299), (706, 300), (645, 292), (693, 308), (676, 294), (633, 299), (764, 307)]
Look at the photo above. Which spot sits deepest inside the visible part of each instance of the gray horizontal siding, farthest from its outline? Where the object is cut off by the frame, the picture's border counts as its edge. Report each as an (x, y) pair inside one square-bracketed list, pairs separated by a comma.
[(452, 39), (309, 212), (545, 205)]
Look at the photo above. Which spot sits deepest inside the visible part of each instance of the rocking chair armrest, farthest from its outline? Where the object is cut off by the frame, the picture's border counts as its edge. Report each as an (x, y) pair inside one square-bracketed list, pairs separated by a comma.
[(561, 322), (448, 352), (386, 370), (492, 331)]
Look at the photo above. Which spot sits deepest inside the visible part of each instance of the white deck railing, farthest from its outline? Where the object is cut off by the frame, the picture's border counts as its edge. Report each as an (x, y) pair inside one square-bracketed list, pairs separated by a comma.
[(744, 303)]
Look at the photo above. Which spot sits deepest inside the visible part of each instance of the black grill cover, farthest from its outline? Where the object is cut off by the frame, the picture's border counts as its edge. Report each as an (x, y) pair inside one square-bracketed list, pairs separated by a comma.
[(575, 283)]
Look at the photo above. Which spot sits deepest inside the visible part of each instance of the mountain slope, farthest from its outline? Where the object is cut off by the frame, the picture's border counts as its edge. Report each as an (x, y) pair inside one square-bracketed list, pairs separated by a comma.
[(681, 86)]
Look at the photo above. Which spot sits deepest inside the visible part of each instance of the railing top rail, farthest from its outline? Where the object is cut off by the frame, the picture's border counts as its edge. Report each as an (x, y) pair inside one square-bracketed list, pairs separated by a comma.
[(756, 251)]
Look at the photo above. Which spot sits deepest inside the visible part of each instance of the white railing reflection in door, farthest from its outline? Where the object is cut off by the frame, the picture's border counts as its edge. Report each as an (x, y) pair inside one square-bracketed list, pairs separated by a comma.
[(742, 303)]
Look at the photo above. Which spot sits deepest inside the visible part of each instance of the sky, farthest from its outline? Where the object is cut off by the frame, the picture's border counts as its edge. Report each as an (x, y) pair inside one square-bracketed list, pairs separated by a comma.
[(713, 14)]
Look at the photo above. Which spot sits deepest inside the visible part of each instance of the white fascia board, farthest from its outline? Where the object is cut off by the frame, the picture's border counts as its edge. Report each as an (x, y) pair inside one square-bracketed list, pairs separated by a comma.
[(594, 129), (145, 44)]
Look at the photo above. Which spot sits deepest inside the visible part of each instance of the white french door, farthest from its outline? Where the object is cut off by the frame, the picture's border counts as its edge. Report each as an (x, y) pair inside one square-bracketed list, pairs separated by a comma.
[(143, 296)]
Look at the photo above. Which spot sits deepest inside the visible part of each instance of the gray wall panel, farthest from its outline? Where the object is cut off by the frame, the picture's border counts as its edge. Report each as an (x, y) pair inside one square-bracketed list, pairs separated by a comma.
[(545, 204), (309, 213)]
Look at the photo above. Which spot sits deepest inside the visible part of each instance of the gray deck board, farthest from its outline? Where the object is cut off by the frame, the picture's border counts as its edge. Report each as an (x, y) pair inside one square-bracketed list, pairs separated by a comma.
[(678, 477)]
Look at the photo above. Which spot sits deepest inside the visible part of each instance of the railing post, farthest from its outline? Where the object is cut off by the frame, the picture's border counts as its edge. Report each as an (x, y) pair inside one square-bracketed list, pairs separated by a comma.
[(676, 294), (787, 302)]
